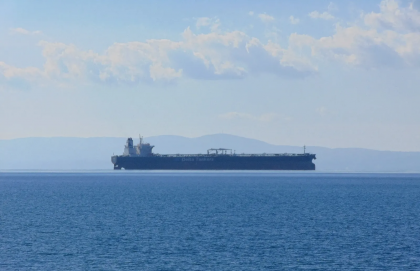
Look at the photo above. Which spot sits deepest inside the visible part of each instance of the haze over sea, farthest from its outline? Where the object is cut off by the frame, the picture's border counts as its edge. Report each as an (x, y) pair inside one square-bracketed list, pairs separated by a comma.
[(209, 221)]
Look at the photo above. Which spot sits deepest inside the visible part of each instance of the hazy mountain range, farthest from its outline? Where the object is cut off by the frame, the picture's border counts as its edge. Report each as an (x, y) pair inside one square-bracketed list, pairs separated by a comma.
[(65, 153)]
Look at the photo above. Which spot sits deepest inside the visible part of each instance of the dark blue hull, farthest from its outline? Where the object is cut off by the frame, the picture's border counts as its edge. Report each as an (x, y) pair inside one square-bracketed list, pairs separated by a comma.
[(220, 162)]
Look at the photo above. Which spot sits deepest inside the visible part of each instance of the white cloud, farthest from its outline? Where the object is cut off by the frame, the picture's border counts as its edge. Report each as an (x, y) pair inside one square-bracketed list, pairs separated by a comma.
[(213, 55), (29, 73), (388, 38), (20, 78), (392, 16), (268, 117), (266, 18), (215, 26), (23, 31), (203, 21), (324, 15), (158, 72), (294, 20), (214, 23), (350, 45), (251, 13)]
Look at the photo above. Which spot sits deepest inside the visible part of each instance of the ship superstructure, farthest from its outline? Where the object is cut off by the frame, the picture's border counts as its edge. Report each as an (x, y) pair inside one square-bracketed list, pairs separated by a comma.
[(141, 157), (141, 149)]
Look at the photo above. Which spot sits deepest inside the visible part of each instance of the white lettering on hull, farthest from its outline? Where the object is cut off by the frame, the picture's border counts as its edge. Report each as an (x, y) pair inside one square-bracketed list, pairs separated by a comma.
[(189, 159)]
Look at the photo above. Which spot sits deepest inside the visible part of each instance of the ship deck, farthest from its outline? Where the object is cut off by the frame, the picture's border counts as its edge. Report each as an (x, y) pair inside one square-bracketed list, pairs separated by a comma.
[(232, 155)]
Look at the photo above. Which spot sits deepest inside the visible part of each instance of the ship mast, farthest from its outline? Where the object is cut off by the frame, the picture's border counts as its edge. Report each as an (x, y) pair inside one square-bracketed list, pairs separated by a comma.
[(141, 142)]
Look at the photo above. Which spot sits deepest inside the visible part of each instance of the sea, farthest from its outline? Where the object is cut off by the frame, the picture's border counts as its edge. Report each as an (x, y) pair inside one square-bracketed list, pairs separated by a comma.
[(209, 221)]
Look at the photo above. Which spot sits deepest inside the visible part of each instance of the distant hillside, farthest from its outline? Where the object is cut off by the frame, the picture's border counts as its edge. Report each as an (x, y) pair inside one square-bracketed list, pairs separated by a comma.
[(95, 153)]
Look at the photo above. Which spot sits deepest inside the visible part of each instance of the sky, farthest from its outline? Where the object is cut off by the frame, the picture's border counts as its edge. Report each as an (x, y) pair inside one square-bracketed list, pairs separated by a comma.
[(335, 74)]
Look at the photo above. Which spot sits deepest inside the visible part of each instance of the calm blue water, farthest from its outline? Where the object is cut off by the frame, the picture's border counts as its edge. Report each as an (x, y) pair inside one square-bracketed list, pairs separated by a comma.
[(209, 221)]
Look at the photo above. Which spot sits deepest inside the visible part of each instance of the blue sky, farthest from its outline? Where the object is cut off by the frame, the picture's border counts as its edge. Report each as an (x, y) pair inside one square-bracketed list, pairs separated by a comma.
[(334, 74)]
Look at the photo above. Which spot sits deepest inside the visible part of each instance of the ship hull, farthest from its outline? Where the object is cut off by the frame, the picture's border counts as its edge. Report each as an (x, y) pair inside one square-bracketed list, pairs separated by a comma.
[(221, 162)]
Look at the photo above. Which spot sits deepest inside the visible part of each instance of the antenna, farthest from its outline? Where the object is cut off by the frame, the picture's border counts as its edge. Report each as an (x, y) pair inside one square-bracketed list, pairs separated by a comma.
[(304, 149)]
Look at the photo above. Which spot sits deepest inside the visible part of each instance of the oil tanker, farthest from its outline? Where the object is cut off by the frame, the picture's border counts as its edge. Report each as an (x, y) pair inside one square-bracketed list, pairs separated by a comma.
[(141, 157)]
